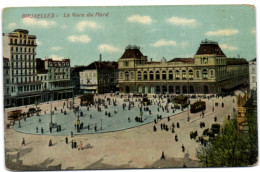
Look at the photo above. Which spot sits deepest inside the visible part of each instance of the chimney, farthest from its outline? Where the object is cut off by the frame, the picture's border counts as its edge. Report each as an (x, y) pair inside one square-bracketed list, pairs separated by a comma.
[(100, 58)]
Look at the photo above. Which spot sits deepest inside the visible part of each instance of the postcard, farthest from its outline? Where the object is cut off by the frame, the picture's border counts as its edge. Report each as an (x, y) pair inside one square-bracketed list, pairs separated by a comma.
[(129, 87)]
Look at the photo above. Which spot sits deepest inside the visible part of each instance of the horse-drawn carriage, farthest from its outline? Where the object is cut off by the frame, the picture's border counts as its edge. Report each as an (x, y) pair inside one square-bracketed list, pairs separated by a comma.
[(87, 99), (14, 115)]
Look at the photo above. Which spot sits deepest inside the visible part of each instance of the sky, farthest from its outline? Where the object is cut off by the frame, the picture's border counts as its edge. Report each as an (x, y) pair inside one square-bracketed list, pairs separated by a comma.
[(82, 33)]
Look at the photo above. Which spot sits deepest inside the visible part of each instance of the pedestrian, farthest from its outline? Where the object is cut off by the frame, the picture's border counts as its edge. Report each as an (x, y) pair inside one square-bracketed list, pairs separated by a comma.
[(23, 142), (50, 129), (163, 156), (37, 129), (50, 142), (183, 148), (24, 119), (176, 138), (42, 130), (66, 140), (75, 126), (40, 120), (154, 128), (72, 144), (173, 130)]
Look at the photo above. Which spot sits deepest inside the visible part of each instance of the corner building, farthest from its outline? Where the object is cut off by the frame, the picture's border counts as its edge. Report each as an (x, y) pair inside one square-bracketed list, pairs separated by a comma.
[(208, 72), (20, 49)]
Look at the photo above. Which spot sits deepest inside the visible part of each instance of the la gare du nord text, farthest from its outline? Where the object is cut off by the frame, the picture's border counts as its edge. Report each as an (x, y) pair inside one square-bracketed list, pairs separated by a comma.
[(86, 14)]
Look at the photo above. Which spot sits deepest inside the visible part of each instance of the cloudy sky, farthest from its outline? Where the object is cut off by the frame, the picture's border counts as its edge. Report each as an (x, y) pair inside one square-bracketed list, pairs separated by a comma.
[(160, 31)]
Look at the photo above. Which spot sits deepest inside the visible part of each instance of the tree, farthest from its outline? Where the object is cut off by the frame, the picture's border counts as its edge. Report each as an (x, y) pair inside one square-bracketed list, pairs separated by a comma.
[(251, 116), (228, 149)]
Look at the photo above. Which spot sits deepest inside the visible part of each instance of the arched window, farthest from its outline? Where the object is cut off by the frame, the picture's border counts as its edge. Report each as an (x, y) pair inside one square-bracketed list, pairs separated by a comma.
[(151, 75), (177, 75), (164, 75), (190, 74), (157, 75), (139, 75), (126, 76), (204, 74), (170, 75), (145, 75), (184, 75)]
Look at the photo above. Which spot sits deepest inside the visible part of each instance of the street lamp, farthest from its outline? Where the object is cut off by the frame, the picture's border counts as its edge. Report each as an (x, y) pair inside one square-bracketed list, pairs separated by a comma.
[(188, 119), (141, 114), (78, 124), (52, 112)]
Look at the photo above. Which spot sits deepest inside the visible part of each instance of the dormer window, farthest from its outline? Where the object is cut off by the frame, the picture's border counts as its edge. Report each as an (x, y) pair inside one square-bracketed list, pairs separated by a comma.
[(126, 63), (204, 60)]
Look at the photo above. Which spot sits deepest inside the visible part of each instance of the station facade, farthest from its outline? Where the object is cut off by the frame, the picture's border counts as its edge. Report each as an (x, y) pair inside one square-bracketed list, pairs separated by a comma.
[(208, 72)]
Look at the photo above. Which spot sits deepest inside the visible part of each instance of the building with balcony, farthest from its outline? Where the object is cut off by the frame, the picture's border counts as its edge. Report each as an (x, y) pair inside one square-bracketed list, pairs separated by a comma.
[(55, 77), (100, 77), (209, 71), (6, 83), (20, 49), (252, 74)]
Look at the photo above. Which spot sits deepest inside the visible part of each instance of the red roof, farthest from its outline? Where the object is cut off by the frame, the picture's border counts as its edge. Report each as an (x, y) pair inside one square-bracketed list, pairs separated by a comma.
[(209, 47), (132, 53), (183, 60)]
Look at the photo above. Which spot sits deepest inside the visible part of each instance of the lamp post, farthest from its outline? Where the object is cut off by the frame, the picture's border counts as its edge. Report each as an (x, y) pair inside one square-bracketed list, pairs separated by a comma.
[(188, 119), (51, 109), (78, 124), (141, 114)]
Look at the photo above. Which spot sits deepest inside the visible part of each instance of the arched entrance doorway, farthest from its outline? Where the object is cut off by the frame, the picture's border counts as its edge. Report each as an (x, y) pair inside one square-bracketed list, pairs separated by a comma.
[(184, 90), (164, 89), (178, 90), (127, 89), (171, 89), (158, 89), (206, 89)]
